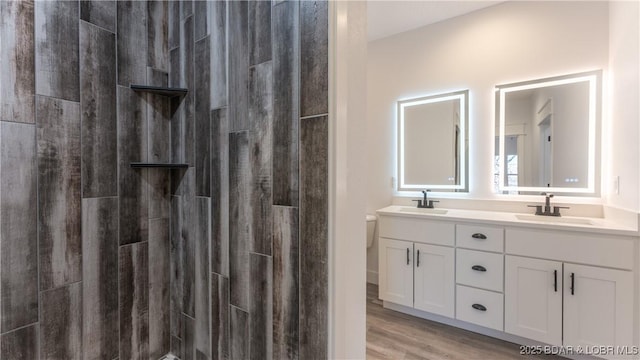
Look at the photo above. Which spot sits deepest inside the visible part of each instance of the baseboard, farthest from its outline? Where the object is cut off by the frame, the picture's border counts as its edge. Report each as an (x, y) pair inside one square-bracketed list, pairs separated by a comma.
[(372, 277)]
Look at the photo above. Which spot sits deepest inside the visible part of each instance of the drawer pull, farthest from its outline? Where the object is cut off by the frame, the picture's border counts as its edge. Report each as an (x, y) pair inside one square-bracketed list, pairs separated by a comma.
[(479, 307), (407, 256), (555, 280), (573, 283), (479, 268), (479, 236), (418, 262)]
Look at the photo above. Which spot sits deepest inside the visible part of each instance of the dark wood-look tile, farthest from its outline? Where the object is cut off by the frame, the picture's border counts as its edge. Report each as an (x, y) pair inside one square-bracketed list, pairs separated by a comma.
[(314, 209), (218, 54), (240, 212), (260, 143), (134, 301), (158, 34), (59, 192), (17, 61), (260, 307), (314, 64), (132, 42), (259, 32), (57, 64), (159, 250), (175, 108), (99, 12), (285, 282), (220, 192), (202, 301), (98, 109), (188, 338), (200, 19), (159, 190), (238, 65), (187, 81), (132, 147), (286, 108), (186, 9), (176, 345), (219, 317), (176, 259), (158, 120), (100, 284), (174, 24), (188, 234), (239, 334), (21, 344), (18, 224), (61, 323), (203, 118)]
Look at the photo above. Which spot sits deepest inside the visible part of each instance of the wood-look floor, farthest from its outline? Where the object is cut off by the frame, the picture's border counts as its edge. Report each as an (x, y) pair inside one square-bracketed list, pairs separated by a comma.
[(394, 335)]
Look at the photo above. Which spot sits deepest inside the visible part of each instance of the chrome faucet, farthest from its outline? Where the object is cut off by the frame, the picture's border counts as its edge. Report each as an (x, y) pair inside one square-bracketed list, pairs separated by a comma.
[(426, 203), (547, 207)]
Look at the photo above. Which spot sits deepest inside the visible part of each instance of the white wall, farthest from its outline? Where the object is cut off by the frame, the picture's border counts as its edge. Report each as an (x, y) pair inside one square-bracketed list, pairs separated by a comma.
[(510, 42)]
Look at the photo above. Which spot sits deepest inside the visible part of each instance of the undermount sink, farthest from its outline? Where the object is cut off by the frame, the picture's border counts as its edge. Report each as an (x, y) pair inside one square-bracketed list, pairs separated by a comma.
[(424, 210), (555, 219)]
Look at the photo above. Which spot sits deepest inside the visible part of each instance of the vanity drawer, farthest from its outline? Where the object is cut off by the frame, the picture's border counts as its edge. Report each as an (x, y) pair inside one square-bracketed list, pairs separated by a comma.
[(487, 238), (417, 230), (479, 269), (480, 307)]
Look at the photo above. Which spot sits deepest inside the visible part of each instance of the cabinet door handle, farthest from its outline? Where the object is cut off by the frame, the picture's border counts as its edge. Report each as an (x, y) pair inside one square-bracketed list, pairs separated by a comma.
[(479, 236), (418, 262), (479, 307), (479, 268), (407, 256), (573, 283), (555, 280)]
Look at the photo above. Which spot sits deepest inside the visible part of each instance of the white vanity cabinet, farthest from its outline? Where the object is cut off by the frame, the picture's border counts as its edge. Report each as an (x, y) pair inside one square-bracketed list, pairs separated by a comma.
[(417, 264)]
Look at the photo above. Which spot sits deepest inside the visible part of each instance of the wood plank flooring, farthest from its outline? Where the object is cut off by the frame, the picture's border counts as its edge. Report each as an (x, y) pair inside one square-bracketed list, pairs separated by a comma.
[(393, 335)]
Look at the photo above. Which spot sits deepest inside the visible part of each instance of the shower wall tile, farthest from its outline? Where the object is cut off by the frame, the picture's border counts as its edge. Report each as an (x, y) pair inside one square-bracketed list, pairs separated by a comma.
[(174, 24), (260, 307), (99, 12), (240, 212), (285, 282), (18, 224), (286, 109), (176, 104), (187, 81), (21, 344), (132, 147), (57, 65), (132, 42), (313, 237), (202, 274), (219, 317), (259, 32), (188, 338), (59, 192), (158, 34), (100, 283), (202, 118), (314, 63), (239, 334), (218, 54), (98, 109), (159, 125), (159, 249), (17, 62), (176, 257), (61, 323), (219, 192), (238, 25), (159, 190), (186, 8), (201, 19), (176, 346), (188, 235), (134, 301)]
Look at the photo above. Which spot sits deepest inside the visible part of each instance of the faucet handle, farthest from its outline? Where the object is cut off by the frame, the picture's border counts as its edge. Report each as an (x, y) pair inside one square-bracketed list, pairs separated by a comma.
[(419, 203), (538, 209), (556, 209)]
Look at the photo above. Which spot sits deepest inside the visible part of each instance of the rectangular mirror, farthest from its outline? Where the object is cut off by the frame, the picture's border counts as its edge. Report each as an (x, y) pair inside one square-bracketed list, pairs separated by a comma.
[(432, 142), (549, 135)]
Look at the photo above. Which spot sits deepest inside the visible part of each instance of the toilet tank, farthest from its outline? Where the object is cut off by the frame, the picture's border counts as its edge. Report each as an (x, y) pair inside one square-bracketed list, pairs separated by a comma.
[(371, 229)]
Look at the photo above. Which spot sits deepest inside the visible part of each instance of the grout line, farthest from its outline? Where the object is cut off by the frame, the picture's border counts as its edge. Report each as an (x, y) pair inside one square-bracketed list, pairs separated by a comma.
[(21, 327), (60, 287), (98, 26), (133, 243), (313, 116), (239, 308), (101, 197)]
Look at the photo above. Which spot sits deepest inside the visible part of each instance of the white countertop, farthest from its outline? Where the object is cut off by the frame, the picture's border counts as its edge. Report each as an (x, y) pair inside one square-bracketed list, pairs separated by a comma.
[(597, 225)]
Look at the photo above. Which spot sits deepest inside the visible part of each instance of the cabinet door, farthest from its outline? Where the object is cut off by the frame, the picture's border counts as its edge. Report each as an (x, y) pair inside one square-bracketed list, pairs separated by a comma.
[(598, 306), (396, 271), (533, 299), (434, 279)]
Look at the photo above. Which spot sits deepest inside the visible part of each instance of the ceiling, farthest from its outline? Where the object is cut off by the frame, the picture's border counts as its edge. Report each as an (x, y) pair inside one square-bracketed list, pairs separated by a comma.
[(386, 18)]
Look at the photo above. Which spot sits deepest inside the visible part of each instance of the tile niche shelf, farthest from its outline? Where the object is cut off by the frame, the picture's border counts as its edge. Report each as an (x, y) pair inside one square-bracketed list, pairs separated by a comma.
[(171, 93)]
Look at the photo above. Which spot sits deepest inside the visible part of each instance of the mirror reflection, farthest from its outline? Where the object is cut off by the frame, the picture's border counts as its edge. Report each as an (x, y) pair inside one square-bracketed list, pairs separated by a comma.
[(432, 137), (547, 138)]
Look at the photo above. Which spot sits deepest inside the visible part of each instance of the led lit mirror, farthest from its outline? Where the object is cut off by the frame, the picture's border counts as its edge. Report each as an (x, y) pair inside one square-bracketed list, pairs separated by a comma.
[(432, 143), (549, 136)]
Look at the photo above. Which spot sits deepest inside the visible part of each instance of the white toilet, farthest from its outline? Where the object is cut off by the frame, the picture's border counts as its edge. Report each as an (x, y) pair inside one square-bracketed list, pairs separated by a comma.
[(371, 229)]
